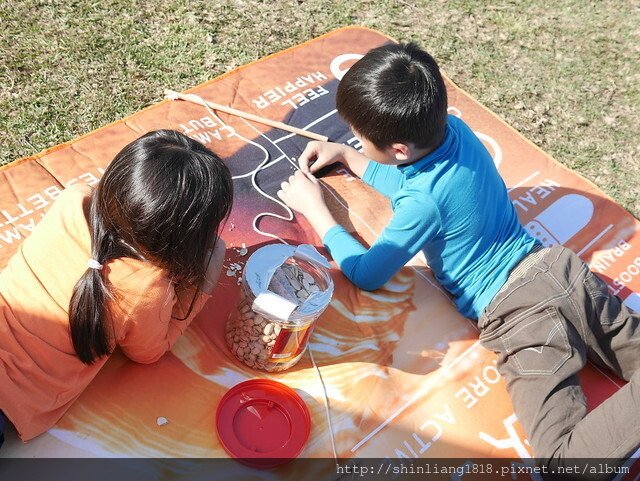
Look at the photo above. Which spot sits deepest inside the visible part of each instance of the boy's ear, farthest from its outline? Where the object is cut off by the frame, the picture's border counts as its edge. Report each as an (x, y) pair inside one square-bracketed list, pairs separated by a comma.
[(400, 151)]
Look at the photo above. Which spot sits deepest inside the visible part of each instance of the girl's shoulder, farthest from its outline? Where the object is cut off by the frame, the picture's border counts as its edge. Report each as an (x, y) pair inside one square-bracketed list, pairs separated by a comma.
[(125, 273), (134, 274), (75, 191), (71, 203)]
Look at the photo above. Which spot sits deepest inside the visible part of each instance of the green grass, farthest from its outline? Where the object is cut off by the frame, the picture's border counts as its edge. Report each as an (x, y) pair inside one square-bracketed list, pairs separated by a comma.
[(563, 73)]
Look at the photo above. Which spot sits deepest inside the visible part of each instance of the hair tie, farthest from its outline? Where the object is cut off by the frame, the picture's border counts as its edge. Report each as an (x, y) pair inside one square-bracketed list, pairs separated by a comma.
[(94, 264)]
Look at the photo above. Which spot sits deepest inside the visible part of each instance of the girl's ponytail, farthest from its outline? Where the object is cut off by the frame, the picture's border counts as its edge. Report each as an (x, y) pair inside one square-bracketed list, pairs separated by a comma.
[(162, 199), (88, 307)]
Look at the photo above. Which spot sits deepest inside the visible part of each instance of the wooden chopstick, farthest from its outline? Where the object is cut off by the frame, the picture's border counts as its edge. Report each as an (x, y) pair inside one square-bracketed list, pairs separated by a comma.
[(172, 94)]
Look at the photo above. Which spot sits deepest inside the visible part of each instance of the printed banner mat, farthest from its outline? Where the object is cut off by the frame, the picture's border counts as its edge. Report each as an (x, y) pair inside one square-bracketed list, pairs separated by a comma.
[(404, 372)]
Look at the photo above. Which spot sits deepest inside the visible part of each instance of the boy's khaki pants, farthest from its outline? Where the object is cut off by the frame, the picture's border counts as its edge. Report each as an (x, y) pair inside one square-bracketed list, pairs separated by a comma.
[(544, 326)]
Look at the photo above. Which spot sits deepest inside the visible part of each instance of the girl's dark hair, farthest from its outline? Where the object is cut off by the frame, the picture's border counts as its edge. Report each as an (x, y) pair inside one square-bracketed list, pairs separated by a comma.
[(163, 199), (395, 93)]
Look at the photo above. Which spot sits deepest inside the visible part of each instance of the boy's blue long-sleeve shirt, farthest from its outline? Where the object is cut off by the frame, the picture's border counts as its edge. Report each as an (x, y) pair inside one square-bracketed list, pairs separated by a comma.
[(453, 205)]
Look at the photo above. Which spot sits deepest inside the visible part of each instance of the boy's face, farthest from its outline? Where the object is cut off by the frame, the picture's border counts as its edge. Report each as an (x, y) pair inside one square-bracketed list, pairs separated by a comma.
[(395, 154), (386, 156)]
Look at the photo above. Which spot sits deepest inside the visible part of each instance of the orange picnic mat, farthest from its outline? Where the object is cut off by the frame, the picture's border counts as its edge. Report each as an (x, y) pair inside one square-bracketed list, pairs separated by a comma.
[(404, 373)]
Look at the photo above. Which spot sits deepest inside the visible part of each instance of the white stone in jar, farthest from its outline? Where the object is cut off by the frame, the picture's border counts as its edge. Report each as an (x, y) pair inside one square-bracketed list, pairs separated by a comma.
[(295, 284)]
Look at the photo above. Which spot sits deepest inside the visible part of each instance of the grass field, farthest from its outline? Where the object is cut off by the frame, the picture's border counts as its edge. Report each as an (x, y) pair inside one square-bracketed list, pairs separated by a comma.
[(564, 73)]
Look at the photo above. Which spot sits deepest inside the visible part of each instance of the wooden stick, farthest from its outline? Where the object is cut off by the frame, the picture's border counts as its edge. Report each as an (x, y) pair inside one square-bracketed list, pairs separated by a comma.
[(173, 95)]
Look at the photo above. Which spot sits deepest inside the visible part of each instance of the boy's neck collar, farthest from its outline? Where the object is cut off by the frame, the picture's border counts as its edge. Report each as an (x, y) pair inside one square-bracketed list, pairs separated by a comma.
[(430, 156), (420, 154)]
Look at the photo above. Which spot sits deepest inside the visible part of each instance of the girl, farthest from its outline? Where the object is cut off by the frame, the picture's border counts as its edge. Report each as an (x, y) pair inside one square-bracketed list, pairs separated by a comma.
[(129, 264)]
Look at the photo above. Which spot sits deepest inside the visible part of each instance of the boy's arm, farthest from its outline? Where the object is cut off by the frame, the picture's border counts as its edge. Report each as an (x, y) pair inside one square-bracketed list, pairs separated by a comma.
[(357, 162), (414, 224)]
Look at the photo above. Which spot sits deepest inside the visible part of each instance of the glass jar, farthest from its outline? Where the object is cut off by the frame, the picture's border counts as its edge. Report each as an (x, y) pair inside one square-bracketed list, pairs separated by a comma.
[(284, 290)]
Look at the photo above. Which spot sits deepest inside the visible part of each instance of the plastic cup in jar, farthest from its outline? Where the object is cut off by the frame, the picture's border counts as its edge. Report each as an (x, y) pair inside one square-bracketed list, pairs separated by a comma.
[(284, 290)]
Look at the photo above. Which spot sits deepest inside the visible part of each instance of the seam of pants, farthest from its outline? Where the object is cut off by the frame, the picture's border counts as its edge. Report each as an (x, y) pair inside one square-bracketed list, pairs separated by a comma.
[(570, 290), (508, 293), (523, 314), (522, 371), (489, 313)]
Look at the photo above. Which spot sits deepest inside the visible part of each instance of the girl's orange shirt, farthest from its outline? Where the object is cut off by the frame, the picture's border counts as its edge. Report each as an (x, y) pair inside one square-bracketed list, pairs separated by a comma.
[(40, 374)]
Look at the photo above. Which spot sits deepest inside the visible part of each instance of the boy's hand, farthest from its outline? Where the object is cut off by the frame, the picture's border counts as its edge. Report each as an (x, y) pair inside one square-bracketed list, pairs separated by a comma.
[(327, 153), (302, 192), (323, 153)]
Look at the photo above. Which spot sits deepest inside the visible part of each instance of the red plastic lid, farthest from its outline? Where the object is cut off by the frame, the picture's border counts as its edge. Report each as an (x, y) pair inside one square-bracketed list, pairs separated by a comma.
[(262, 423)]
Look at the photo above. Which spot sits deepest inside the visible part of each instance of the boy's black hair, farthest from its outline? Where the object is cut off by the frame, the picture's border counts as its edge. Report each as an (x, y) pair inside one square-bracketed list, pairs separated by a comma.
[(395, 93)]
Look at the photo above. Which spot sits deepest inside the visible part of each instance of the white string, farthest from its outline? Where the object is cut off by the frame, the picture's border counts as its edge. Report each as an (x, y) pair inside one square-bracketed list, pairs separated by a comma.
[(326, 405), (355, 214), (254, 183), (254, 173)]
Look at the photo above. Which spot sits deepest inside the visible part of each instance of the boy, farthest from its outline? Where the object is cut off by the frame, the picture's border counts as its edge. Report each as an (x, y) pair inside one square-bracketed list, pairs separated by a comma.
[(540, 309)]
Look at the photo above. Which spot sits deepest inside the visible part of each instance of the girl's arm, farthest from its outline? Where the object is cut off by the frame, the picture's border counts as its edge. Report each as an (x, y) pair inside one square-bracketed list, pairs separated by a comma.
[(157, 319), (151, 328)]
